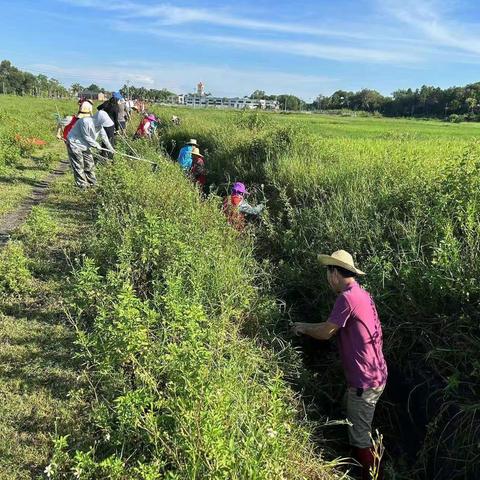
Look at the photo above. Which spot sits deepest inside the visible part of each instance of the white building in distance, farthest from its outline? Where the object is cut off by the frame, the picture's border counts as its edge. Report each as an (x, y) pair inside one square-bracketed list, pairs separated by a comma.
[(200, 100)]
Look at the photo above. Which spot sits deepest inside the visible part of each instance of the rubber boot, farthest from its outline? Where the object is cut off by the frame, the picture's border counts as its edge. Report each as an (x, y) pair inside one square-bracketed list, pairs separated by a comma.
[(365, 457)]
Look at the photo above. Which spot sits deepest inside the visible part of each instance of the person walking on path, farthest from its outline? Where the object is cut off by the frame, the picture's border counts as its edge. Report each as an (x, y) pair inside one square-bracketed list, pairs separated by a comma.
[(81, 139), (355, 320), (185, 155), (236, 207), (198, 170)]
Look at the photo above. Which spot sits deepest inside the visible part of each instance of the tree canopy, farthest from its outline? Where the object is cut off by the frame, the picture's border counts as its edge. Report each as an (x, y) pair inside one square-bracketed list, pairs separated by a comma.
[(427, 101), (15, 81)]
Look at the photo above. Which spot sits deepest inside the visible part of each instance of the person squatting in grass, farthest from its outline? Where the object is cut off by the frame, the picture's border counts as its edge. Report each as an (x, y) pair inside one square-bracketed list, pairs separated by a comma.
[(236, 207), (198, 170), (81, 139), (145, 127), (185, 155), (355, 320)]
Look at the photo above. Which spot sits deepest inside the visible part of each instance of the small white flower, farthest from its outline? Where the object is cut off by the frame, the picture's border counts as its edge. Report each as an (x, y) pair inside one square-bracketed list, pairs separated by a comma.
[(271, 433), (49, 470)]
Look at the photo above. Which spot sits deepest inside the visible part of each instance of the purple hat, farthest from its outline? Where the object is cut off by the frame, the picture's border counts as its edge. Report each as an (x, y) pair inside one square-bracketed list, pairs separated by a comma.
[(152, 117), (239, 187)]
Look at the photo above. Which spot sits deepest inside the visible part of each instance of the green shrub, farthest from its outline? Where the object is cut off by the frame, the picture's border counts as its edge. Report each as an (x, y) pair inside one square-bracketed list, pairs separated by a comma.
[(15, 277), (39, 230)]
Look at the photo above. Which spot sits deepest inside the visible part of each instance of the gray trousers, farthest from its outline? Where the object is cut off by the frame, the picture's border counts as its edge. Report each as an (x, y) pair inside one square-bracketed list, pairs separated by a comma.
[(83, 166), (360, 411)]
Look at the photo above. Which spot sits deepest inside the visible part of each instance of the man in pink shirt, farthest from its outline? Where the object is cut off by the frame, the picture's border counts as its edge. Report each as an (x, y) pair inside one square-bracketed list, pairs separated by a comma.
[(355, 320)]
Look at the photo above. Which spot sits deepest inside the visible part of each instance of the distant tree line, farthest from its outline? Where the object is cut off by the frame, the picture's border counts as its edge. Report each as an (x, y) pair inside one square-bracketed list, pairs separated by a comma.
[(287, 102), (148, 94), (456, 103), (17, 82), (427, 101)]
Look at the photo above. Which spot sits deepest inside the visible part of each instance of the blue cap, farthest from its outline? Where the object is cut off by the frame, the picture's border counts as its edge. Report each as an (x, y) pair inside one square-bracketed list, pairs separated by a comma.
[(117, 95)]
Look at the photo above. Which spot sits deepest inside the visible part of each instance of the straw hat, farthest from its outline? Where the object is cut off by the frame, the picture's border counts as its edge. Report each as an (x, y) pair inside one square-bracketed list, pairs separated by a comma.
[(192, 141), (196, 151), (342, 259), (86, 109)]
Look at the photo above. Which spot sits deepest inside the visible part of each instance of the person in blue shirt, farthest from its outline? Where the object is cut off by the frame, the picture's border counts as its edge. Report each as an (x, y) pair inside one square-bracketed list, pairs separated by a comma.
[(185, 156)]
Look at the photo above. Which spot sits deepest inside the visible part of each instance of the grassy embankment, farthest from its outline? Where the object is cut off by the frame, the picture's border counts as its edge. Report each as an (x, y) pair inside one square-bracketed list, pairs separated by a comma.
[(176, 389), (403, 196)]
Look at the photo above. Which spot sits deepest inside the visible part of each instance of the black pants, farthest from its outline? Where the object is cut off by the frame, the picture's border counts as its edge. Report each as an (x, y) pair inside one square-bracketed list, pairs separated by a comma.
[(111, 136)]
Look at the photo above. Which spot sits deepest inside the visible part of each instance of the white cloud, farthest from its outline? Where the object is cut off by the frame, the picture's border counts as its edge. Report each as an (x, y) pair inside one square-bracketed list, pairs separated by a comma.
[(220, 80), (305, 49), (100, 75), (169, 15), (157, 19), (428, 18)]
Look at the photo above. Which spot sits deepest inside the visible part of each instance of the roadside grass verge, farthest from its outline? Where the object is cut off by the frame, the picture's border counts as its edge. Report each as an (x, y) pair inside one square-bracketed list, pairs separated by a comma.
[(40, 377)]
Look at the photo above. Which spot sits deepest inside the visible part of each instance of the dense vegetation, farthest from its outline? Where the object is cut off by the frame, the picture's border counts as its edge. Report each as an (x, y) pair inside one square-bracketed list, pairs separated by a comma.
[(163, 305), (407, 205), (172, 307)]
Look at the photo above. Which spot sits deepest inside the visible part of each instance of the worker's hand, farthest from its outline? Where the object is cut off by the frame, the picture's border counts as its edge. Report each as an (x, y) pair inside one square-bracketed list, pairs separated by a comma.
[(297, 328)]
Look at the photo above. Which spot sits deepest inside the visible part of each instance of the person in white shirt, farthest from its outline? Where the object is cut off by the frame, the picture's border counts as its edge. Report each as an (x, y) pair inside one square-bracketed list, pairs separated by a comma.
[(81, 139)]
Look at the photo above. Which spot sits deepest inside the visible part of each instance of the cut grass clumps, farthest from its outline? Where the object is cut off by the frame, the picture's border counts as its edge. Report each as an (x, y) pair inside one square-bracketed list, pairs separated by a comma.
[(15, 276), (179, 391)]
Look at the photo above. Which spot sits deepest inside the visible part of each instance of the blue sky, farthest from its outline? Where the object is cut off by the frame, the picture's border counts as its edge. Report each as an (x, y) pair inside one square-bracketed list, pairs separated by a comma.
[(304, 47)]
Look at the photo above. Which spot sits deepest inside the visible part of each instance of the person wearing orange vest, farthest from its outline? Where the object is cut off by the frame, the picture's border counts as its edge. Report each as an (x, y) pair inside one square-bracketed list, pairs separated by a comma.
[(236, 207)]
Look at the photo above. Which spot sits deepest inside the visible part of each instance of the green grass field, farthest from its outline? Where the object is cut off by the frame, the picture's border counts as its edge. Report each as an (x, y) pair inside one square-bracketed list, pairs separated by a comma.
[(178, 321)]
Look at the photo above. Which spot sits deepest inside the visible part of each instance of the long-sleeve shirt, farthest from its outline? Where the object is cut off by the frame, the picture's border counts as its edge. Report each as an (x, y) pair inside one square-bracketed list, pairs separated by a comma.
[(112, 109), (245, 208), (185, 157), (85, 133), (121, 111)]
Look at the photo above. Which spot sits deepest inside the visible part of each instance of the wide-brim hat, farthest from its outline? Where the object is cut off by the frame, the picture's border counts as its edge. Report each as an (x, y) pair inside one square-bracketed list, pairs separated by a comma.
[(84, 115), (196, 152), (342, 259), (86, 108), (192, 141), (239, 187)]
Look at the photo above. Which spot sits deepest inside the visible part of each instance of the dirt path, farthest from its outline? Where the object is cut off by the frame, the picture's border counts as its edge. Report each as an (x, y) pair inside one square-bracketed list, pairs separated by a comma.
[(13, 220)]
